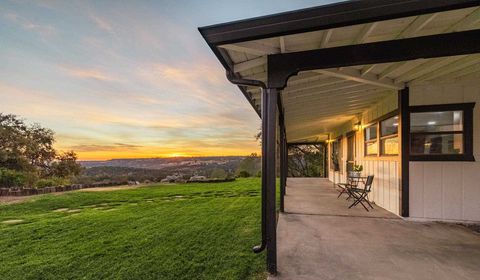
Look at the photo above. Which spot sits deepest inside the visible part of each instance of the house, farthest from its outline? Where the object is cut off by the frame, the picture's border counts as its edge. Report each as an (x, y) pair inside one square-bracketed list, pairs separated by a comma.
[(391, 85)]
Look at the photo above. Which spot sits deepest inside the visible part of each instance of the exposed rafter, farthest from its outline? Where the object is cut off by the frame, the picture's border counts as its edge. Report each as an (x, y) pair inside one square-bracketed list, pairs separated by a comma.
[(322, 90), (353, 74), (305, 78), (364, 33), (466, 22), (249, 64), (411, 30), (418, 24), (428, 66), (339, 95), (326, 37), (282, 44), (367, 69), (460, 73), (312, 85), (452, 67), (390, 69), (252, 48), (282, 66), (361, 97), (322, 113)]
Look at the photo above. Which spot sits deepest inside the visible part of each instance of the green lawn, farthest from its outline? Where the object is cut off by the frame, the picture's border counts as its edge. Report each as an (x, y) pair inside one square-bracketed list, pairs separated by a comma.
[(189, 231)]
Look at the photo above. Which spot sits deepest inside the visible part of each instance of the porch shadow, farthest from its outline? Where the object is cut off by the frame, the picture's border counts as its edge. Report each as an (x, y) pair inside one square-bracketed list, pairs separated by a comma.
[(318, 242), (317, 196)]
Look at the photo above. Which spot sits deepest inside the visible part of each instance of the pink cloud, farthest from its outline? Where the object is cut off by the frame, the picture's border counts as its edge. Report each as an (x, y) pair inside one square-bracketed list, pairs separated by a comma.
[(88, 73)]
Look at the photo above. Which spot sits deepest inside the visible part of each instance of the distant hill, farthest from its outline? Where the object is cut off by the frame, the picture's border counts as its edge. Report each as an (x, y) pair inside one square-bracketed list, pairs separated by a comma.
[(155, 169), (162, 163)]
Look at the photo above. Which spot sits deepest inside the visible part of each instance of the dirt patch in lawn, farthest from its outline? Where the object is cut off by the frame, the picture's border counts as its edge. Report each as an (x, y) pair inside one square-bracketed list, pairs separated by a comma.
[(12, 222), (4, 200), (109, 189)]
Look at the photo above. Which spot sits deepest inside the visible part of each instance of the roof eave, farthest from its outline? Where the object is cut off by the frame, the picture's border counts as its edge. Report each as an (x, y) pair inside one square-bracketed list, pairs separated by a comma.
[(325, 17)]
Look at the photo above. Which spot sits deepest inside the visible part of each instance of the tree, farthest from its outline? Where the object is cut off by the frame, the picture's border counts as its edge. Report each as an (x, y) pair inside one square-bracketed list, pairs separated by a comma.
[(27, 154), (66, 165), (306, 160), (249, 166), (24, 147), (218, 173), (12, 143)]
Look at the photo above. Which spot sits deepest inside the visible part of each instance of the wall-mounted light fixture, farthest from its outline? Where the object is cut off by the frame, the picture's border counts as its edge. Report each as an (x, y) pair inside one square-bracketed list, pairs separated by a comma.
[(357, 126)]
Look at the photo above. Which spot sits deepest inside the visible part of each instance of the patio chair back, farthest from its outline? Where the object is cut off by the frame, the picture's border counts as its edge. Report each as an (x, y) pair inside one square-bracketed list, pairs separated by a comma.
[(368, 183)]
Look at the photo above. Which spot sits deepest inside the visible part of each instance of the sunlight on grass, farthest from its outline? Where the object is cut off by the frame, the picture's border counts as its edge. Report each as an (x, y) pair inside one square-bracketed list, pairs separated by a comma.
[(190, 231)]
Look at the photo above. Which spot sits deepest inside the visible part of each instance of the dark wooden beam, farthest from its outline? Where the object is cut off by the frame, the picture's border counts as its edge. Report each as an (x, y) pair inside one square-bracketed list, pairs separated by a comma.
[(283, 66)]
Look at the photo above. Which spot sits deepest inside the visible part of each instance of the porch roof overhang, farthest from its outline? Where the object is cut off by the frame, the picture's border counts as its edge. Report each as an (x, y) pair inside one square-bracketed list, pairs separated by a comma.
[(366, 54)]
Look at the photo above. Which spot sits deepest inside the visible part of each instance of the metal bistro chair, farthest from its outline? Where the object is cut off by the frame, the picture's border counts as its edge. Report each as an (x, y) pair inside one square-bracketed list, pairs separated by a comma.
[(352, 182), (343, 188), (361, 194)]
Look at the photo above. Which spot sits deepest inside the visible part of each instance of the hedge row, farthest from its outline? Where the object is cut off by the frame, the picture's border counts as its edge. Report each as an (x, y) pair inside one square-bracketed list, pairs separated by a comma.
[(22, 191)]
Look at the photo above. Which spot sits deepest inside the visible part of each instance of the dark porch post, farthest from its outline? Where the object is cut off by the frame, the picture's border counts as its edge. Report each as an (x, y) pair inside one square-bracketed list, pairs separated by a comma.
[(283, 163), (269, 126), (403, 108)]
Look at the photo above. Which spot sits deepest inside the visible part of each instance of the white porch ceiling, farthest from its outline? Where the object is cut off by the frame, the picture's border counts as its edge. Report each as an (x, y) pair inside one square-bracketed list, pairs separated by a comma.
[(317, 101)]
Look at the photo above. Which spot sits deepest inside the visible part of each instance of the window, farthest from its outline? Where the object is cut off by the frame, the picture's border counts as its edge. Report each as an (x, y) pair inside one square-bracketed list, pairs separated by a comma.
[(389, 136), (441, 132), (371, 144), (336, 155)]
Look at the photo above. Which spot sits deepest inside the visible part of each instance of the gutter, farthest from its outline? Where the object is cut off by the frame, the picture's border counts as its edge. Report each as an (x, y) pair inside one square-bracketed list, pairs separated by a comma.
[(255, 83)]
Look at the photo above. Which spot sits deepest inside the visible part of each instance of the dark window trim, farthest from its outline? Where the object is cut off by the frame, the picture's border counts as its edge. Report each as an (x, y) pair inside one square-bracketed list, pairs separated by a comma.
[(393, 135), (438, 132), (384, 117), (365, 141), (442, 107), (467, 132), (379, 138)]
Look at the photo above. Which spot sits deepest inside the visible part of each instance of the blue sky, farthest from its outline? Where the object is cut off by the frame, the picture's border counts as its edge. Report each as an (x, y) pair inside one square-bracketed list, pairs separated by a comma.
[(125, 79)]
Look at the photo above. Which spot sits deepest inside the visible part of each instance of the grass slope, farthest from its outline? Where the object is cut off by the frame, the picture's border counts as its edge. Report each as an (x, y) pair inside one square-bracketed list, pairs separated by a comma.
[(194, 231)]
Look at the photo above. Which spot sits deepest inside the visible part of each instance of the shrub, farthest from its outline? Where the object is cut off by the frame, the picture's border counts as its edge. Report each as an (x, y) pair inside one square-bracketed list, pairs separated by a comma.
[(243, 174), (51, 182), (11, 178), (218, 173)]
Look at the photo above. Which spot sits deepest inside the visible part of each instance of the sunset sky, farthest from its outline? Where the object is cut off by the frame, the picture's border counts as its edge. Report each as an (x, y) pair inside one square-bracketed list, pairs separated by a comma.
[(127, 79)]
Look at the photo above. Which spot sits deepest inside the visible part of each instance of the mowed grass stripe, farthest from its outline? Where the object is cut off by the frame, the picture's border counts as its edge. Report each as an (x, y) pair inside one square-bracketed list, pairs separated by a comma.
[(190, 231)]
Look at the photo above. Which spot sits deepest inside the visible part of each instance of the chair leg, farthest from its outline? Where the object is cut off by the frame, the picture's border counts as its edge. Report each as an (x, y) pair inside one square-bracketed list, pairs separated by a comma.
[(356, 199), (360, 199)]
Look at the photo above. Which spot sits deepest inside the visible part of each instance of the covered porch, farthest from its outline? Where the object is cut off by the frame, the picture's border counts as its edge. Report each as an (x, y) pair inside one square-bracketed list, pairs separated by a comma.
[(389, 85), (320, 238)]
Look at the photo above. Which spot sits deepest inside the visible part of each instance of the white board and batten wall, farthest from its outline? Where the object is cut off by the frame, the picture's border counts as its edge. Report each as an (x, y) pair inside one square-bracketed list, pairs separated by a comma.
[(386, 184), (447, 190), (439, 190)]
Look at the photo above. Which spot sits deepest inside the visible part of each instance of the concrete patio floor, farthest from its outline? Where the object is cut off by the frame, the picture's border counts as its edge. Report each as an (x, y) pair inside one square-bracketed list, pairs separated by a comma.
[(320, 238)]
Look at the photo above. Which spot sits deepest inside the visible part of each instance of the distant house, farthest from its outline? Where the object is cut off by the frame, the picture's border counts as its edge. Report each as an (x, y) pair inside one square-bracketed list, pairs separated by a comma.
[(390, 85), (197, 178), (175, 178)]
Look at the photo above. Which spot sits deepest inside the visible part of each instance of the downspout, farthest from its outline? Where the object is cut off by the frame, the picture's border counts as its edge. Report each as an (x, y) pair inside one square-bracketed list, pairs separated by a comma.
[(255, 83)]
